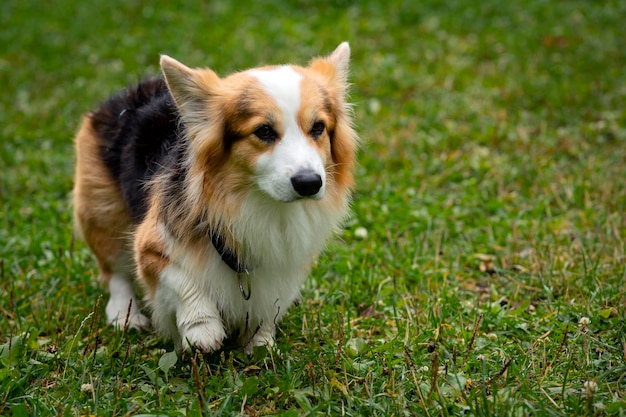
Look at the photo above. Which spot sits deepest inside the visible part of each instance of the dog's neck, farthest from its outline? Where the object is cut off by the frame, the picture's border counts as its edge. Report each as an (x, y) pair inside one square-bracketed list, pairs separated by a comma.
[(228, 255), (231, 259)]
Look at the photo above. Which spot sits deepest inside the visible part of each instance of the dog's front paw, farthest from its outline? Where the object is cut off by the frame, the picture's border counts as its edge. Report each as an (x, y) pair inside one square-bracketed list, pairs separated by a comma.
[(206, 335)]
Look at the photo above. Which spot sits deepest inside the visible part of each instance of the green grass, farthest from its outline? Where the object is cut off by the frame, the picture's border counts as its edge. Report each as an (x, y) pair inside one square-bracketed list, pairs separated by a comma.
[(491, 184)]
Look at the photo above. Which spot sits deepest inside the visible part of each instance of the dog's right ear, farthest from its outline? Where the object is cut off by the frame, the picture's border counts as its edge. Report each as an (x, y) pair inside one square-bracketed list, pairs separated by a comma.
[(190, 88)]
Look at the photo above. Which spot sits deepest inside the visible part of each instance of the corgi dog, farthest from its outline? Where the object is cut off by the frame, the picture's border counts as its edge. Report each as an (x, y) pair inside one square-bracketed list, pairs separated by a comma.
[(215, 194)]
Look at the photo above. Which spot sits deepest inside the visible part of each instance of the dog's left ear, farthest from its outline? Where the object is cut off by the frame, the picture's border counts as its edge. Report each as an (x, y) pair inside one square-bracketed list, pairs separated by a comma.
[(336, 65)]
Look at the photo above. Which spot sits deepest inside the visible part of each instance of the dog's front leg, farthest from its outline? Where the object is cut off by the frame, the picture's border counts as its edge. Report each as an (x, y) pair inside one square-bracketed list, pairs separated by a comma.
[(196, 317)]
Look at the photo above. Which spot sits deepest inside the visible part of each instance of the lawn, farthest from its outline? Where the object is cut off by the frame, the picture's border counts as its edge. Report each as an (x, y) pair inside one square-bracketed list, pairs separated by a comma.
[(482, 271)]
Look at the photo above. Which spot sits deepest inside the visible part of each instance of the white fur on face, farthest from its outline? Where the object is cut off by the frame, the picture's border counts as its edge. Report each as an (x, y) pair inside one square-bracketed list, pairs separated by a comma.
[(292, 153)]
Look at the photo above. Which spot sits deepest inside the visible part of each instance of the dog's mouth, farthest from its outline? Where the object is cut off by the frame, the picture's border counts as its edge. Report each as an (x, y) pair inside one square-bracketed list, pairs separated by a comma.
[(296, 198), (312, 198)]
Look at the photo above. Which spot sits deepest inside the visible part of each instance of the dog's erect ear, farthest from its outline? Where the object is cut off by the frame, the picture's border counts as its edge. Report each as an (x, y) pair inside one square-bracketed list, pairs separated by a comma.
[(335, 66), (340, 58), (190, 88)]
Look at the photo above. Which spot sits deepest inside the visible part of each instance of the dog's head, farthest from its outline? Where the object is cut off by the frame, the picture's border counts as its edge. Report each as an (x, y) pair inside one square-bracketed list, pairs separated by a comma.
[(284, 130)]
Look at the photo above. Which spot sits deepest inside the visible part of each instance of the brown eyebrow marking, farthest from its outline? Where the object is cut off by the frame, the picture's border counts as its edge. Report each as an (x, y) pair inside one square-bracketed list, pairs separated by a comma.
[(244, 104), (327, 103), (236, 112), (241, 109)]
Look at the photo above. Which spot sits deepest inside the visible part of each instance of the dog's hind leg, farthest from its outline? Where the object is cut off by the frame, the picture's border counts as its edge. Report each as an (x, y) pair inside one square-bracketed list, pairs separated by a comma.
[(103, 220), (122, 309), (264, 336)]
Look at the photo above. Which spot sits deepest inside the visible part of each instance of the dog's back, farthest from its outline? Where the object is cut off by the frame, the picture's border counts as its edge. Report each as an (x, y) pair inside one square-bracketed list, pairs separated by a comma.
[(137, 130)]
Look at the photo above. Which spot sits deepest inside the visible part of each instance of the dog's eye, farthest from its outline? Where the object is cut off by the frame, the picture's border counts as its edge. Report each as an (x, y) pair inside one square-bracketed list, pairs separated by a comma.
[(266, 133), (317, 129)]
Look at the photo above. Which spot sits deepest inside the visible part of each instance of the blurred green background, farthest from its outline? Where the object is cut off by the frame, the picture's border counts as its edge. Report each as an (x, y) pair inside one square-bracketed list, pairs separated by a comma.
[(488, 217)]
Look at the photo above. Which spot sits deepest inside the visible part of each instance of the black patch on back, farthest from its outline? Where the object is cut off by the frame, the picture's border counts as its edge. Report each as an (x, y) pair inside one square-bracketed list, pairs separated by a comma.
[(138, 129)]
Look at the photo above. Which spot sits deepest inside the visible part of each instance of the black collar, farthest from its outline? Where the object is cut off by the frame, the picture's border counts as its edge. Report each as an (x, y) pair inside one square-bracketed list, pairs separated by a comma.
[(228, 255), (231, 259)]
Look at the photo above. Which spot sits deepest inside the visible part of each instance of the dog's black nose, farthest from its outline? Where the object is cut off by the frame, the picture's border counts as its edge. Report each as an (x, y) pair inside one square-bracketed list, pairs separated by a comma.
[(306, 182)]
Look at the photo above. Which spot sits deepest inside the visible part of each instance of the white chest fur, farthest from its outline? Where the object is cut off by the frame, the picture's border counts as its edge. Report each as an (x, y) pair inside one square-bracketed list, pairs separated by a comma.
[(278, 243)]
